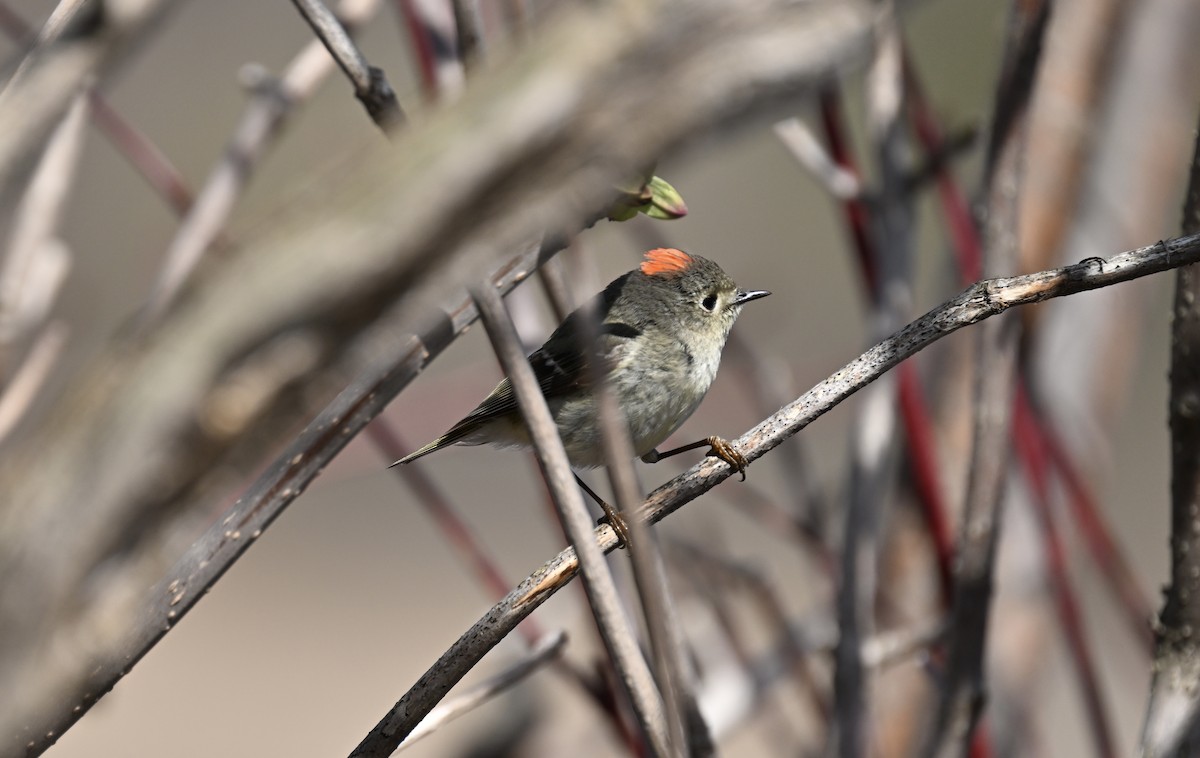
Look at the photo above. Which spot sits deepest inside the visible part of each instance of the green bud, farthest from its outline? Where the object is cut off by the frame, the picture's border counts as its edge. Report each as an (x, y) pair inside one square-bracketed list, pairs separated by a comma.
[(656, 198)]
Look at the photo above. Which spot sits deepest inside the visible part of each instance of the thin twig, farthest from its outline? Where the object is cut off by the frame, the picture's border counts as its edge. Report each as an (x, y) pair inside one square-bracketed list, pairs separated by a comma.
[(260, 122), (808, 151), (616, 630), (546, 649), (979, 302), (371, 86)]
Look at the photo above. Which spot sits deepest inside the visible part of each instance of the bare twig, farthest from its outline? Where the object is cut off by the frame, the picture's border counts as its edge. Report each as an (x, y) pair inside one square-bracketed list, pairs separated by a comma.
[(269, 104), (1173, 711), (371, 86), (981, 301), (616, 629), (546, 649), (803, 144)]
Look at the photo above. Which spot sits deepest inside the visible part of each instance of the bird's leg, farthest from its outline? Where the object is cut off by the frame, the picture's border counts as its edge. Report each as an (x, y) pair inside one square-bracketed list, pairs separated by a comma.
[(717, 446), (611, 516)]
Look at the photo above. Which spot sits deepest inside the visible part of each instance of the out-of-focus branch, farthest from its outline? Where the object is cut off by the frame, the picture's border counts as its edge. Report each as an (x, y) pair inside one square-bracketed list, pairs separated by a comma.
[(130, 141), (371, 86), (979, 302), (874, 432), (272, 100), (37, 260), (962, 697), (468, 32), (86, 45), (1172, 726)]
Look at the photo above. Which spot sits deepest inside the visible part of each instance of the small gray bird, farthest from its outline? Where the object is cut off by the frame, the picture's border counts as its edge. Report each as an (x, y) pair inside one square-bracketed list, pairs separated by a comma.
[(662, 329)]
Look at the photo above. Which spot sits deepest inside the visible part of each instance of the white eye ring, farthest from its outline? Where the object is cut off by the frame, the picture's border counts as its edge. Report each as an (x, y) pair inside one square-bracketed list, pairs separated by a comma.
[(709, 303)]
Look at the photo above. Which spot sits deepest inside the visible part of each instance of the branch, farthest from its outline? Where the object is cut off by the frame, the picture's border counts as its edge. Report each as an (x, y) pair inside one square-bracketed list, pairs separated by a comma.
[(981, 301), (543, 651), (1173, 711), (371, 86)]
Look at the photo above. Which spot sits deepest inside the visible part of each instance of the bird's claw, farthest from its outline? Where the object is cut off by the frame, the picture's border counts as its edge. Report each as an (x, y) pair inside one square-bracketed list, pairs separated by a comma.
[(618, 524), (725, 451)]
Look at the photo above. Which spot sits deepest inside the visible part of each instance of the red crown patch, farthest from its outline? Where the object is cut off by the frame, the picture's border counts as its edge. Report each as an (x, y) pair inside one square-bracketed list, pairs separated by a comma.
[(666, 261)]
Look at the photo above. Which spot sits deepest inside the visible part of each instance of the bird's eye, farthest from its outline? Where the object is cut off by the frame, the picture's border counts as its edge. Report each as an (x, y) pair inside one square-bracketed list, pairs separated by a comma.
[(709, 302)]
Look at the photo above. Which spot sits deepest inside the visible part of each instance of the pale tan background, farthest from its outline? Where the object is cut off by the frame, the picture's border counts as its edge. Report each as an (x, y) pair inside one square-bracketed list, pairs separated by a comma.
[(307, 641)]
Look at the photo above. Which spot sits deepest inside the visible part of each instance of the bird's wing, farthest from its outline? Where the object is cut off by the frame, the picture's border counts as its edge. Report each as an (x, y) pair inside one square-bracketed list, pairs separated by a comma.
[(559, 368)]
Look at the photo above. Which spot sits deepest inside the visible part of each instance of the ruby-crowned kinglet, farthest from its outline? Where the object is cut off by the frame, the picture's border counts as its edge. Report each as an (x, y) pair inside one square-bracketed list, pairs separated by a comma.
[(662, 328)]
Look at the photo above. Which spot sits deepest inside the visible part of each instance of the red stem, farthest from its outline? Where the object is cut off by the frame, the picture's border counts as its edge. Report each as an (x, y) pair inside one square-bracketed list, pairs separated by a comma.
[(1029, 437), (453, 527), (422, 48), (918, 427)]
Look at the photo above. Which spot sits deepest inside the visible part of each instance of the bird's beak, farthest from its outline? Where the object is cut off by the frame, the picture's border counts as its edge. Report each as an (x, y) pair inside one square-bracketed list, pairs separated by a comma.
[(745, 296)]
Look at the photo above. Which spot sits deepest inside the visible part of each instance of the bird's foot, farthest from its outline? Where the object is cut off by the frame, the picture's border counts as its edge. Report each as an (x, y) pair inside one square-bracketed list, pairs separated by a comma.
[(724, 450), (614, 519)]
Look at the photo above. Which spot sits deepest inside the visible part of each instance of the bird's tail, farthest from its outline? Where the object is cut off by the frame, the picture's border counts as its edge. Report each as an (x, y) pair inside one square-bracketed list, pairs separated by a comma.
[(456, 434), (437, 444)]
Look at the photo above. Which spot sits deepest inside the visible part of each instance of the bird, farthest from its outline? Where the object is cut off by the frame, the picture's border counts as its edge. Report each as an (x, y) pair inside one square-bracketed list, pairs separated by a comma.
[(661, 330)]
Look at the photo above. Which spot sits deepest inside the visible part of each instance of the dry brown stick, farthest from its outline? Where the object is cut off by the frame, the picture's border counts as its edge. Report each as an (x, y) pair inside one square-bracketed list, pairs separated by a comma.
[(1173, 711), (981, 301), (616, 629)]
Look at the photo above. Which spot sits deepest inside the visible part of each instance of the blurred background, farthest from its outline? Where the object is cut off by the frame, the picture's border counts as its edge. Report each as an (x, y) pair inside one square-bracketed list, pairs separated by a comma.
[(353, 593)]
